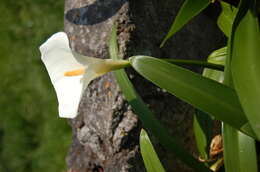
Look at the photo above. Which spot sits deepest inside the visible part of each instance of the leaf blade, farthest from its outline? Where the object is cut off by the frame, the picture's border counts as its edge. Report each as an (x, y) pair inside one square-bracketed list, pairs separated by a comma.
[(150, 158), (245, 63), (192, 88), (202, 127), (226, 18), (239, 151), (189, 9), (236, 144)]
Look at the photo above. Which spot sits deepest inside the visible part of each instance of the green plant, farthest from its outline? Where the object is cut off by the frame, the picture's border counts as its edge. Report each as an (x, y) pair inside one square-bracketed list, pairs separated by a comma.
[(151, 160), (231, 96)]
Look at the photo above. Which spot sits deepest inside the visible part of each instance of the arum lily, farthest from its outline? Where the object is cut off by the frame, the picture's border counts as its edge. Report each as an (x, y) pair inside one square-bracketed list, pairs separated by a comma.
[(70, 72)]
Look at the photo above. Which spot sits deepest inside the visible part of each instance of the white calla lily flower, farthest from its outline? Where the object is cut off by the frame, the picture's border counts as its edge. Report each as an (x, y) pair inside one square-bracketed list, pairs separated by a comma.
[(70, 72)]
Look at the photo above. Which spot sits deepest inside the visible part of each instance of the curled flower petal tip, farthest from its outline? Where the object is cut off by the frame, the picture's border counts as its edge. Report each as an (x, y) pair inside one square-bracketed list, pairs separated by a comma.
[(54, 40)]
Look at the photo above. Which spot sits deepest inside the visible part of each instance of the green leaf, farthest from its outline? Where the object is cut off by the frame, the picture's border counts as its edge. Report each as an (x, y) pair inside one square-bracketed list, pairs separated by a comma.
[(248, 157), (202, 122), (189, 9), (147, 117), (226, 17), (151, 160), (202, 127), (239, 151), (205, 94), (245, 63), (216, 57)]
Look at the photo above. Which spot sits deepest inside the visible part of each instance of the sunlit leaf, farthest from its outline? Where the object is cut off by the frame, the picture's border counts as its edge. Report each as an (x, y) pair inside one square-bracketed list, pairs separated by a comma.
[(151, 160), (205, 94)]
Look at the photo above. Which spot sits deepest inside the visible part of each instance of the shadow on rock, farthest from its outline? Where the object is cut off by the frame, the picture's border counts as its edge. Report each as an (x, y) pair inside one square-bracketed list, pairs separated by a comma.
[(94, 13)]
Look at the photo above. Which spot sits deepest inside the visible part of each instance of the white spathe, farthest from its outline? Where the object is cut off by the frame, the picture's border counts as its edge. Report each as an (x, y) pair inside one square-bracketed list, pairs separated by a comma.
[(59, 59)]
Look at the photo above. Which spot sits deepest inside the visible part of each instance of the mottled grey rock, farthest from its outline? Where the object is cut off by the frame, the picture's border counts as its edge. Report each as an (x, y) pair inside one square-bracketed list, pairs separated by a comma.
[(106, 132)]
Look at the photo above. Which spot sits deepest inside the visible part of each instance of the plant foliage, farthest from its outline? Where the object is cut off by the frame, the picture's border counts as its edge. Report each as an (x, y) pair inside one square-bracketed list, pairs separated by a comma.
[(231, 96)]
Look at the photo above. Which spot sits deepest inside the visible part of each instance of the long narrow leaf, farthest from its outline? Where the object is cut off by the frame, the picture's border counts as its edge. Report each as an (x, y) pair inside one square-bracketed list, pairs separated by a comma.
[(239, 149), (189, 9), (205, 94), (202, 127), (151, 160), (246, 65), (147, 117)]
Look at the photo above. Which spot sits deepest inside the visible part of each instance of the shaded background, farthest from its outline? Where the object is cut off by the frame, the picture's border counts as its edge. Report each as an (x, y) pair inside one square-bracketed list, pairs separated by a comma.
[(32, 137)]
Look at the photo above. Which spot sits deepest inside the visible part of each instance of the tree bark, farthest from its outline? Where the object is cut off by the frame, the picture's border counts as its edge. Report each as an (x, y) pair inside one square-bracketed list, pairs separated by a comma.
[(106, 131)]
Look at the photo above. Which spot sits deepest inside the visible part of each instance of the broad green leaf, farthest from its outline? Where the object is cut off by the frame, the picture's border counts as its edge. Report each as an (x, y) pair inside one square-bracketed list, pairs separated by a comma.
[(205, 94), (226, 17), (245, 64), (147, 117), (151, 160), (243, 9), (239, 151), (231, 148), (189, 9), (247, 151)]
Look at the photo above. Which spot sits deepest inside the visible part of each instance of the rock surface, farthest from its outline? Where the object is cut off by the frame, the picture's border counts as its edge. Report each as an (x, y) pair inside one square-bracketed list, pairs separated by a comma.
[(106, 131)]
